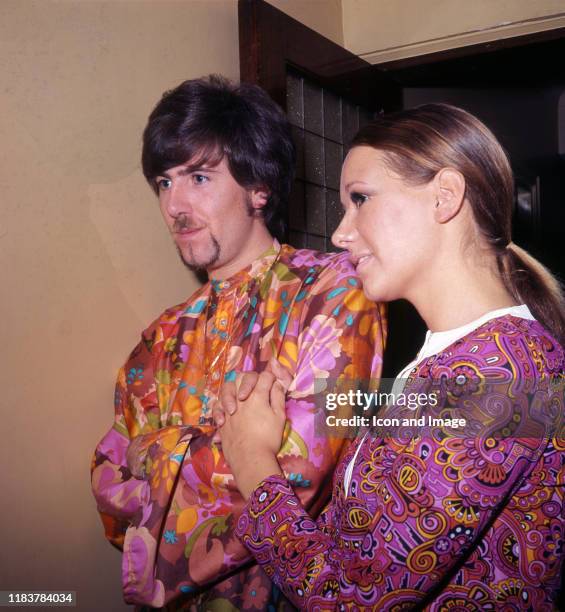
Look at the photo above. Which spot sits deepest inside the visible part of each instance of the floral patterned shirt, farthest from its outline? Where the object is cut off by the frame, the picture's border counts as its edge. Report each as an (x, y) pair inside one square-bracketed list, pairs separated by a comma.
[(176, 525), (437, 519)]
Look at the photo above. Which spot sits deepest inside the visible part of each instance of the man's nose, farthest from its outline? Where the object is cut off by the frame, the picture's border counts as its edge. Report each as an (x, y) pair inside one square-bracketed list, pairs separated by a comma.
[(177, 200)]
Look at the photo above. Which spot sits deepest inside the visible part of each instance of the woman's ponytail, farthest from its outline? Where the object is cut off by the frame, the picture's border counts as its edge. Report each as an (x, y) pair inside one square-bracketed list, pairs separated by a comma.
[(531, 283)]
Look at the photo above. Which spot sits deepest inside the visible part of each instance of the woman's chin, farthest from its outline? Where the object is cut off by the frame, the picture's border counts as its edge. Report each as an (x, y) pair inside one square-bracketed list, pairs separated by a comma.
[(372, 293), (378, 293)]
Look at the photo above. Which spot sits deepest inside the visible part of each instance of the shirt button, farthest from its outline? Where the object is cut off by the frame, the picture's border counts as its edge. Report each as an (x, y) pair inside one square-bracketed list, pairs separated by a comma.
[(226, 285), (223, 322), (215, 376)]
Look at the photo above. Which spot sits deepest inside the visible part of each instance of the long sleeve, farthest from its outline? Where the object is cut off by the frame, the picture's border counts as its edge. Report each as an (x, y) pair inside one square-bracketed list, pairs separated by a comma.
[(118, 494), (314, 569), (420, 505)]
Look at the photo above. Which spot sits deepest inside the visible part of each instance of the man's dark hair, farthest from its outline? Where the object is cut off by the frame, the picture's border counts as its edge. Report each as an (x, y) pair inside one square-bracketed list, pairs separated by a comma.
[(203, 120)]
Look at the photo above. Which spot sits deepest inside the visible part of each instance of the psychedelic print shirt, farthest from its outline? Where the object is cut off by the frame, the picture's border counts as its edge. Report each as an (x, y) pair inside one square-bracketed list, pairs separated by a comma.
[(436, 519), (176, 526)]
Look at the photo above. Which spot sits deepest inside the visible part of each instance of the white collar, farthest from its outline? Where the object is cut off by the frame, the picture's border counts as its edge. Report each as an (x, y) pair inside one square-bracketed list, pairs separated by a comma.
[(437, 341)]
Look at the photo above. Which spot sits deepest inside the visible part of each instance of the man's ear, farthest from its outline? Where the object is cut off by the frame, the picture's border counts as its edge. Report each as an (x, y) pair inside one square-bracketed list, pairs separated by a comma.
[(450, 194), (259, 197)]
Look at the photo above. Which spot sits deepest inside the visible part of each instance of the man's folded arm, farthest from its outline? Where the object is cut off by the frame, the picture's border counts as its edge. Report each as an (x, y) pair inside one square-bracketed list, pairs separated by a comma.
[(118, 493)]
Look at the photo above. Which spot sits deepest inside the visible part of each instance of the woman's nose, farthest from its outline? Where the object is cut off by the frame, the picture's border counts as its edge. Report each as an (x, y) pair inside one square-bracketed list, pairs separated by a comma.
[(345, 233)]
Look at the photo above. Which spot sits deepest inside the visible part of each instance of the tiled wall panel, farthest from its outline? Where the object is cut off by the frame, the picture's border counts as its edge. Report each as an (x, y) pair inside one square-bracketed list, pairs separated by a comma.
[(322, 126)]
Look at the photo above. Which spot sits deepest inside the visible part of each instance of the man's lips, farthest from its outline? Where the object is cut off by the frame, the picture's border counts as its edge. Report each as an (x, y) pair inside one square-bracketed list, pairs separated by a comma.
[(186, 231)]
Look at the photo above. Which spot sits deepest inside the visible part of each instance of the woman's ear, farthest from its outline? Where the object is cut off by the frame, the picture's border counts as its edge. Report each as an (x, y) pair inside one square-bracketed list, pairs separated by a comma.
[(450, 194)]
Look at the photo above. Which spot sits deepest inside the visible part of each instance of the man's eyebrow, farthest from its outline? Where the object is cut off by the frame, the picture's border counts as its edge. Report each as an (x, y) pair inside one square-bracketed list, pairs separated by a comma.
[(198, 168), (187, 170)]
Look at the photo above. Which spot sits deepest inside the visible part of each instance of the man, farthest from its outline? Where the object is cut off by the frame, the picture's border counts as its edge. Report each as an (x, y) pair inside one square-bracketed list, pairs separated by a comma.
[(221, 161)]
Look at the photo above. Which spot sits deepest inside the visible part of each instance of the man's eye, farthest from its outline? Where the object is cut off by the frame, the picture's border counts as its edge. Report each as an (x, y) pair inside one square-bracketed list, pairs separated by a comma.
[(164, 184), (199, 178), (358, 198)]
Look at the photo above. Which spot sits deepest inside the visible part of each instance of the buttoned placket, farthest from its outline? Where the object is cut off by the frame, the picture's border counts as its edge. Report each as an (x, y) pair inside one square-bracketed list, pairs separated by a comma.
[(226, 317), (221, 314)]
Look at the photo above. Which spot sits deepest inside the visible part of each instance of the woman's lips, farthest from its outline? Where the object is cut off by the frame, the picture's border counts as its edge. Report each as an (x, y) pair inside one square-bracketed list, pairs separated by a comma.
[(362, 261)]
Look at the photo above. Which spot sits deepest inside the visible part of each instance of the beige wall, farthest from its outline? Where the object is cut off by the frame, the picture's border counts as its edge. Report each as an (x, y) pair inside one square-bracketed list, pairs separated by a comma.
[(386, 30), (86, 261), (323, 16)]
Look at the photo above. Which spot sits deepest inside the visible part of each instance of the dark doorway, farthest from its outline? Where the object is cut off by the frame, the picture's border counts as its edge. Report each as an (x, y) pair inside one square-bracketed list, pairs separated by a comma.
[(517, 87)]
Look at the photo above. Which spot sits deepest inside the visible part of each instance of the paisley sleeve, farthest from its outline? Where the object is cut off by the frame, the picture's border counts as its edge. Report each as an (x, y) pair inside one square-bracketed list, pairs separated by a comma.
[(419, 506)]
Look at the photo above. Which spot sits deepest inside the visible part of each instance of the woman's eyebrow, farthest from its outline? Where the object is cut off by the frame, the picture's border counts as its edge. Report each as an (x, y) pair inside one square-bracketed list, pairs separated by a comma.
[(354, 183)]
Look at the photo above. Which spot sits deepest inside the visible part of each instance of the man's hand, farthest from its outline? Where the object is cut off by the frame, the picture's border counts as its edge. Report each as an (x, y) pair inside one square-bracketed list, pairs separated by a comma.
[(135, 459), (251, 436)]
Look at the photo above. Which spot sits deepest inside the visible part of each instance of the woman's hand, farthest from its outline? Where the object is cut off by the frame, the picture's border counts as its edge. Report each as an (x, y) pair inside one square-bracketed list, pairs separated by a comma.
[(240, 389), (251, 436), (244, 384)]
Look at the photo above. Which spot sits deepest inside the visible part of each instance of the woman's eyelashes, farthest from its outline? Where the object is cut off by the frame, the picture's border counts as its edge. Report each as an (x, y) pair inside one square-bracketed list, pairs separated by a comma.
[(358, 198)]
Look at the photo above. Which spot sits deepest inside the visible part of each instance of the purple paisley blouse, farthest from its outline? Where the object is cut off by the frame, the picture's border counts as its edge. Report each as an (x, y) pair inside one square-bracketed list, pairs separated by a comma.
[(433, 519)]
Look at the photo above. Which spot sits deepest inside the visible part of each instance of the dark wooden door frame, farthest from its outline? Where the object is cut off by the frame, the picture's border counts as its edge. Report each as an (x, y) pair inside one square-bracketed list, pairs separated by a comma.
[(270, 42)]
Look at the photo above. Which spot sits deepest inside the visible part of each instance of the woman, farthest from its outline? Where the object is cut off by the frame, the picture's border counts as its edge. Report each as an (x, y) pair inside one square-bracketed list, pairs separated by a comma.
[(438, 519)]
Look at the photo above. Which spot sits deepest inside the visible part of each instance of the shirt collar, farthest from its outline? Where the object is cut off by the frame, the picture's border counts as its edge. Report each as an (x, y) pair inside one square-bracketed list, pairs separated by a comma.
[(438, 341), (255, 271)]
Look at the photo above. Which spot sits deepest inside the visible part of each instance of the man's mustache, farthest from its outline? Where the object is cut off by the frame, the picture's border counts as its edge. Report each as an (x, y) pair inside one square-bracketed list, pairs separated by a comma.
[(183, 223)]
